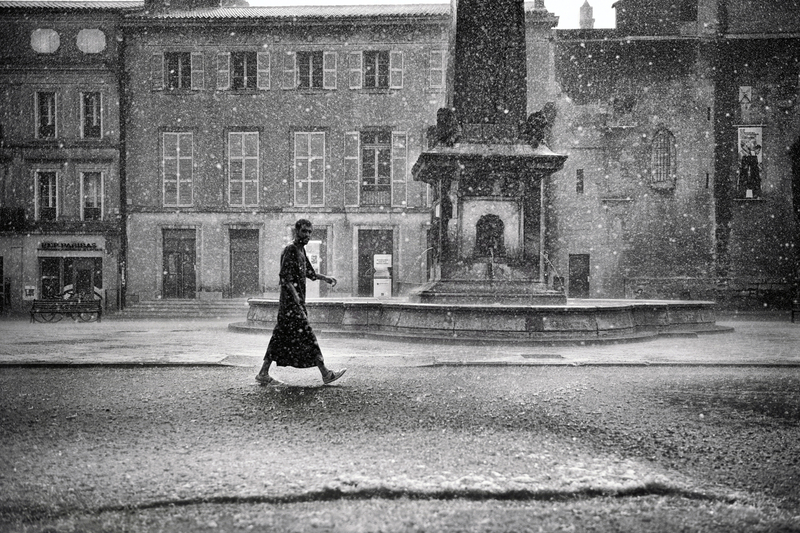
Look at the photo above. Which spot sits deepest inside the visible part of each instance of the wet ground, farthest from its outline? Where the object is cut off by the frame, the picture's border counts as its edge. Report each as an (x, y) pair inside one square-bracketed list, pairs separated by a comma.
[(675, 434)]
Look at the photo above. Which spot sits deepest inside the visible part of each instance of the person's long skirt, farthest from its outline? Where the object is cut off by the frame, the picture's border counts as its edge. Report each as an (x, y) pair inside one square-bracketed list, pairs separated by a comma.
[(293, 342)]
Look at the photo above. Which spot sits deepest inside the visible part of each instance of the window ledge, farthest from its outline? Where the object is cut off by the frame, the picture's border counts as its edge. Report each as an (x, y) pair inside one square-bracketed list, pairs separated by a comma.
[(616, 199), (748, 200), (178, 92), (377, 90), (245, 92)]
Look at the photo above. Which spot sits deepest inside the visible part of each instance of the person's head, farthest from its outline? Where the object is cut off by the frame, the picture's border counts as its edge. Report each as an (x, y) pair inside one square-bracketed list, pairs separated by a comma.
[(302, 231)]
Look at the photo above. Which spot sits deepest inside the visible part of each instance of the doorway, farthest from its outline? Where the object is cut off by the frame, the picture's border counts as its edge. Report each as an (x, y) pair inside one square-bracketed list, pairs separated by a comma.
[(371, 242), (244, 262), (179, 263), (579, 275)]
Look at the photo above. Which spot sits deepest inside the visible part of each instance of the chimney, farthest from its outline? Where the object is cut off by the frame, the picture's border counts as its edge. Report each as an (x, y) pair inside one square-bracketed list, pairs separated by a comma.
[(587, 21)]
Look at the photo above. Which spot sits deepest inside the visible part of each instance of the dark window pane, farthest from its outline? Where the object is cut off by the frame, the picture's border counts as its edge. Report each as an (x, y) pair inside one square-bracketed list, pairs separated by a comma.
[(179, 70), (47, 115), (91, 213), (309, 65), (91, 115), (243, 70)]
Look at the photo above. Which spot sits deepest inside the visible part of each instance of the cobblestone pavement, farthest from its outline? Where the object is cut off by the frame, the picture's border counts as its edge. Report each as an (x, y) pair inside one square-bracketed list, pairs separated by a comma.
[(209, 342)]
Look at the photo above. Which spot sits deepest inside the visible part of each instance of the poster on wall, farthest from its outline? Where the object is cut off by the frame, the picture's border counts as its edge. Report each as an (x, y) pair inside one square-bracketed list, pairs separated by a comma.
[(750, 161)]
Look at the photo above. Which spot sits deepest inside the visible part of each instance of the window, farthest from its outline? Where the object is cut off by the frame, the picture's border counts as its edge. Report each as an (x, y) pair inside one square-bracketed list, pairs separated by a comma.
[(181, 71), (243, 71), (177, 167), (381, 69), (243, 168), (46, 195), (45, 40), (91, 41), (663, 164), (91, 116), (92, 194), (309, 168), (46, 115), (437, 69), (375, 168), (376, 69), (309, 66), (579, 181), (309, 70)]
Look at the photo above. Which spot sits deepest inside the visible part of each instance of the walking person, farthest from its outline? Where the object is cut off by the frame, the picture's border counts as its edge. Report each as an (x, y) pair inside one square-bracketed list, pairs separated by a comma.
[(293, 343)]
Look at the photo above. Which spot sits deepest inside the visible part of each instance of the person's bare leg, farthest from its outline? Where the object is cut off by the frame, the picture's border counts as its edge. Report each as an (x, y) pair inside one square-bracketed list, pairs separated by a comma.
[(265, 368), (263, 376), (328, 376)]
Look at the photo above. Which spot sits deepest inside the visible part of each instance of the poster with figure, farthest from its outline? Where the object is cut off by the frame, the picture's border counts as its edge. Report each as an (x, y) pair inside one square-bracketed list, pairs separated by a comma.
[(750, 161)]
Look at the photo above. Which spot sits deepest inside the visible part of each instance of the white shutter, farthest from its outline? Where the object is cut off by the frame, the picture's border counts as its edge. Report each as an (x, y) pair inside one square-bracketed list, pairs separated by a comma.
[(198, 73), (352, 175), (223, 71), (290, 70), (329, 70), (399, 167), (157, 71), (263, 65), (355, 78), (396, 70), (437, 69)]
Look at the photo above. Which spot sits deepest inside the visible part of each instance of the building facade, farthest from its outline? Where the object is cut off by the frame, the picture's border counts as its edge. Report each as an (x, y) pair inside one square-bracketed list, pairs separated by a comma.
[(60, 219), (154, 151), (240, 121), (682, 129)]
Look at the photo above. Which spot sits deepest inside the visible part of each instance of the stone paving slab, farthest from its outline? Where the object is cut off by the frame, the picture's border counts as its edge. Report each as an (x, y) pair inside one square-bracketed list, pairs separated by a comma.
[(210, 342)]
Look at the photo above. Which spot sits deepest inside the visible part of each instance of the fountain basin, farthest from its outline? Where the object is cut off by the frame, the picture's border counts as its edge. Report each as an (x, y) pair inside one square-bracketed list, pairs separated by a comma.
[(577, 322)]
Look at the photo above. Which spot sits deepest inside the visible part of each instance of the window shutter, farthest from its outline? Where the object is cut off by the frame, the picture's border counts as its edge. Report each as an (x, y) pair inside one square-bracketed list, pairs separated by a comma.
[(355, 78), (396, 70), (399, 157), (437, 69), (263, 61), (329, 70), (157, 71), (223, 71), (290, 70), (352, 180), (198, 73)]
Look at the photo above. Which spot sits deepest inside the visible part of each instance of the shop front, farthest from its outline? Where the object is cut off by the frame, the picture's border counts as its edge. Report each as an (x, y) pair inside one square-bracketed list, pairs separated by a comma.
[(61, 266)]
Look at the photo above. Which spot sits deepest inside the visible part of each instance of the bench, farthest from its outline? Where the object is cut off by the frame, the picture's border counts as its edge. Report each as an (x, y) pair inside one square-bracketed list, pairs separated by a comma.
[(53, 310)]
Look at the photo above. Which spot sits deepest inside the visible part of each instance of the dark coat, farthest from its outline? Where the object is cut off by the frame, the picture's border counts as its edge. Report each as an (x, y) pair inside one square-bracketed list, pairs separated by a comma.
[(293, 343)]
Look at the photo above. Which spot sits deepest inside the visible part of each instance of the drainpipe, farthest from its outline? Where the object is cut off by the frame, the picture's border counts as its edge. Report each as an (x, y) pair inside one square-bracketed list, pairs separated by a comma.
[(122, 77)]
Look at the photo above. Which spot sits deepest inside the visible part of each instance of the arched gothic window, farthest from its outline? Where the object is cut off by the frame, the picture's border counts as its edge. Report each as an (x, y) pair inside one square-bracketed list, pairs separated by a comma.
[(489, 236), (663, 160)]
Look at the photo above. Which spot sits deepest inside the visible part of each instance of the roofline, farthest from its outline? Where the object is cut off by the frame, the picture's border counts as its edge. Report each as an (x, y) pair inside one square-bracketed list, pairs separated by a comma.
[(55, 6)]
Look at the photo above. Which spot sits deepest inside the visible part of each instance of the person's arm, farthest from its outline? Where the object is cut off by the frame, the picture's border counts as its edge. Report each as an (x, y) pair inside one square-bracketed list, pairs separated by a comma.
[(293, 291), (327, 279), (289, 267), (313, 275)]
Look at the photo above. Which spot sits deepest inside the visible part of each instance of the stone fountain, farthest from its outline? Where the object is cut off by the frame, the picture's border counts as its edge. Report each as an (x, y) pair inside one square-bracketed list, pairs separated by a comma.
[(487, 166)]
